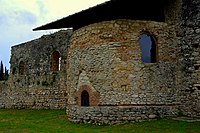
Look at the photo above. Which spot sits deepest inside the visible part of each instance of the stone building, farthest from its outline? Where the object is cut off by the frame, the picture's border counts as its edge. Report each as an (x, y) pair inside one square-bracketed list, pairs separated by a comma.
[(123, 61), (37, 73)]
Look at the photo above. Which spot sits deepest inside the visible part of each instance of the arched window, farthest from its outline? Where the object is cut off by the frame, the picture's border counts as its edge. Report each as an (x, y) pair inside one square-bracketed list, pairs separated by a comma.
[(55, 61), (21, 68), (148, 48), (85, 98)]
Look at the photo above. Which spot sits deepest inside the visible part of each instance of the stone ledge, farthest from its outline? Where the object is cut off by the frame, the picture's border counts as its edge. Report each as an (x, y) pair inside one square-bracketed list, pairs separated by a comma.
[(116, 114), (187, 119)]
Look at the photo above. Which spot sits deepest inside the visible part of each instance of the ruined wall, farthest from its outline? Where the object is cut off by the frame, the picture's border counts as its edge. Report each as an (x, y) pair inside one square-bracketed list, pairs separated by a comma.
[(106, 57), (190, 57), (3, 93), (34, 84)]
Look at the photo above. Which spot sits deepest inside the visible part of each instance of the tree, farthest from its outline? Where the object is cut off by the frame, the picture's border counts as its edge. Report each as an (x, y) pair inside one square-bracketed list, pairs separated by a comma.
[(1, 71), (6, 74), (3, 74)]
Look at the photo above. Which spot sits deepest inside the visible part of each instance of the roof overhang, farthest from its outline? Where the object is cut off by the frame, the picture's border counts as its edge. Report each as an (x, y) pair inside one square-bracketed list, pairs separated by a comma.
[(110, 10)]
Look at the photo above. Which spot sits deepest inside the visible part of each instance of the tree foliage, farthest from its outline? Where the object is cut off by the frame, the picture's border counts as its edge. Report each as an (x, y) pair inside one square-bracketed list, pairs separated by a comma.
[(4, 74), (1, 71)]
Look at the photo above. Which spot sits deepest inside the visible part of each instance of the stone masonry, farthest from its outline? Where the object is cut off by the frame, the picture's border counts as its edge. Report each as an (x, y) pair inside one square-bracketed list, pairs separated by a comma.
[(106, 58), (96, 73), (38, 86)]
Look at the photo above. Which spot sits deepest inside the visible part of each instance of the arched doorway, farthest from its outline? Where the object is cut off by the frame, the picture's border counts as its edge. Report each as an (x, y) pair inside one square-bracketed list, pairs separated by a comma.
[(85, 98)]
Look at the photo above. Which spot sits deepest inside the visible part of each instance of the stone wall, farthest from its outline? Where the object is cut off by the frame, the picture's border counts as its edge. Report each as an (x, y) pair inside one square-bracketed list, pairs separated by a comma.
[(101, 115), (190, 57), (37, 86), (106, 57), (104, 60), (3, 93)]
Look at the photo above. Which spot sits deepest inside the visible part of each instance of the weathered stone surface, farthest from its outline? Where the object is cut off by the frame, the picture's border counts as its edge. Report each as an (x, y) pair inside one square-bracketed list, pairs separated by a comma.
[(104, 60), (116, 114), (117, 77), (38, 86)]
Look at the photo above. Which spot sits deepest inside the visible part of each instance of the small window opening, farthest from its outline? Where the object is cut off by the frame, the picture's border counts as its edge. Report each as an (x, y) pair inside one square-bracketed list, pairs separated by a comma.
[(148, 48), (59, 63), (85, 98), (21, 68), (55, 61)]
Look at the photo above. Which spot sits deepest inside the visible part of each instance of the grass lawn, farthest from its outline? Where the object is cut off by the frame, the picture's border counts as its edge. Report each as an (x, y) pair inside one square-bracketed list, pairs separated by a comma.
[(55, 121)]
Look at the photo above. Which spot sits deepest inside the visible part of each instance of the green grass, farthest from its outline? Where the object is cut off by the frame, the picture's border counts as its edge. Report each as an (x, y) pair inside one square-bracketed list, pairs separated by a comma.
[(55, 121)]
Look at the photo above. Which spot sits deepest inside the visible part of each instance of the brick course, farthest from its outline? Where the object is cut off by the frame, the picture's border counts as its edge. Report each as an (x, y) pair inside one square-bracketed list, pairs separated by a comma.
[(104, 59)]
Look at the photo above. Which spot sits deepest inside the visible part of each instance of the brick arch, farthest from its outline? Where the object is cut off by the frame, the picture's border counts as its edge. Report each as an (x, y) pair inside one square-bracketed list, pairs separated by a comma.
[(93, 96)]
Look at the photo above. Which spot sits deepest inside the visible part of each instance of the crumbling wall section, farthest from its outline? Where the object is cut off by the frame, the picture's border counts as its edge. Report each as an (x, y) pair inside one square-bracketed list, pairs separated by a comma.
[(4, 89), (33, 84), (190, 57)]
